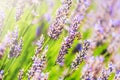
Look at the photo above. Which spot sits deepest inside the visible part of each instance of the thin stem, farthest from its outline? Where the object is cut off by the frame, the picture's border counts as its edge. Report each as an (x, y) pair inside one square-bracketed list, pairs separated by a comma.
[(10, 66)]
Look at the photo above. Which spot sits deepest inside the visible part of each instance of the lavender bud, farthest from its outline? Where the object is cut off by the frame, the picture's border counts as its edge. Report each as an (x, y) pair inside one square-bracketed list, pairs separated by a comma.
[(64, 49), (106, 72)]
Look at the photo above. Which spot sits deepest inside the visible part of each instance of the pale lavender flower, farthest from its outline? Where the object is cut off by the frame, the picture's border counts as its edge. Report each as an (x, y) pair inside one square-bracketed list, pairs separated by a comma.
[(19, 9), (114, 44), (92, 68), (2, 17), (117, 75), (36, 71), (107, 72), (16, 48), (99, 28), (57, 26), (47, 17), (116, 23), (115, 60), (103, 33), (8, 41), (39, 44), (40, 76)]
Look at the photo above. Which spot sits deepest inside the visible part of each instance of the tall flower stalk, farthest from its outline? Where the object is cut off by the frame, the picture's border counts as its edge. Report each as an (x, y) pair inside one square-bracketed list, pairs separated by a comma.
[(16, 48), (75, 23), (81, 55), (19, 9), (9, 40), (39, 63), (57, 26), (96, 58)]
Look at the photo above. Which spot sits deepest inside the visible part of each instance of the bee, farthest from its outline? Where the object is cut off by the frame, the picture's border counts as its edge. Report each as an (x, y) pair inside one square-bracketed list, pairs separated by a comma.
[(78, 35)]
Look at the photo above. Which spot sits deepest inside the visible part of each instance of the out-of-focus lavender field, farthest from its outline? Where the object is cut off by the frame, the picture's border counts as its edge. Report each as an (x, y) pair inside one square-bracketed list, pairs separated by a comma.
[(59, 39)]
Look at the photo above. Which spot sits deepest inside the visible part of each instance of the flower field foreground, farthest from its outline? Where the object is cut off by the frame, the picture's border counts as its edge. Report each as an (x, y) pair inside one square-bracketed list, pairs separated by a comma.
[(59, 40)]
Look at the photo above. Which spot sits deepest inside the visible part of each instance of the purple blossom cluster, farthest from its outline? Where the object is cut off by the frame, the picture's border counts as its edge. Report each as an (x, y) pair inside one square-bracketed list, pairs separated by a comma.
[(81, 55), (59, 22), (99, 52), (11, 41), (15, 48), (39, 63), (78, 17)]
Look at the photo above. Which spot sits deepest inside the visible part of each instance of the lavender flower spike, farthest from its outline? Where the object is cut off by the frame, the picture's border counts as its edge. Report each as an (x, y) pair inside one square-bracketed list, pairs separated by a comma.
[(117, 75), (72, 32), (56, 27), (81, 55), (39, 44), (36, 71), (8, 41), (16, 48), (19, 9)]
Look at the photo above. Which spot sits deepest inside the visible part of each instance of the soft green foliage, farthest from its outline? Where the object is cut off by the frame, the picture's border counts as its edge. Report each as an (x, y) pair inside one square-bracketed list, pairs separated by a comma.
[(28, 31)]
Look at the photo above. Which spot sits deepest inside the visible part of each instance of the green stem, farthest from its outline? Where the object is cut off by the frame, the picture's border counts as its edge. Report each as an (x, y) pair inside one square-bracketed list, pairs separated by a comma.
[(10, 66)]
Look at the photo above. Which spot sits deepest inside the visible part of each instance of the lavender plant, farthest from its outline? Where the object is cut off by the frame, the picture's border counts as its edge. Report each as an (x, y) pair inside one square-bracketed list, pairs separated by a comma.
[(80, 42)]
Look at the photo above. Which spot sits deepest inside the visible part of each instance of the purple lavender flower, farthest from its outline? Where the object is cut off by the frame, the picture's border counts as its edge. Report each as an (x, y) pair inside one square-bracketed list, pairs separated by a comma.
[(2, 17), (36, 71), (117, 75), (8, 41), (57, 26), (107, 72), (92, 67), (39, 44), (72, 32), (81, 55), (16, 48), (19, 9)]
